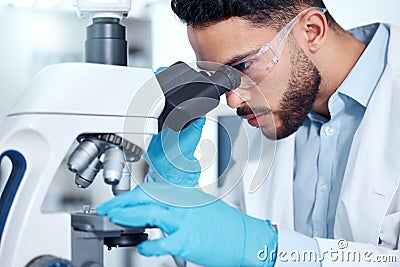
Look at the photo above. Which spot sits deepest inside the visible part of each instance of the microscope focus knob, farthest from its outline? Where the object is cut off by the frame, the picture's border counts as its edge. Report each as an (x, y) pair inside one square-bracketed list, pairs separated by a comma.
[(49, 261)]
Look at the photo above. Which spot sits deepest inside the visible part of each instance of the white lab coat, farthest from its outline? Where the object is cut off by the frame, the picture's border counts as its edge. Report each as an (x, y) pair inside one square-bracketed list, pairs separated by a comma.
[(368, 211)]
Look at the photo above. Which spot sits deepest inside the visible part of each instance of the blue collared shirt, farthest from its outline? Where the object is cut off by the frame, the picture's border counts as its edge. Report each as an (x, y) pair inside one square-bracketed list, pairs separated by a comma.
[(322, 146)]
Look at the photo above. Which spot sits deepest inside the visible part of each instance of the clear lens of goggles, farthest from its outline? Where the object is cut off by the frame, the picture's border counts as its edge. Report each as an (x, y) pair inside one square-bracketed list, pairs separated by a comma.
[(254, 69)]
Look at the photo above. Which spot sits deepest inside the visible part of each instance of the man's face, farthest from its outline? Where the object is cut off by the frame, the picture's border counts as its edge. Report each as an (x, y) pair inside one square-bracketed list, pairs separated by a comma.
[(280, 102)]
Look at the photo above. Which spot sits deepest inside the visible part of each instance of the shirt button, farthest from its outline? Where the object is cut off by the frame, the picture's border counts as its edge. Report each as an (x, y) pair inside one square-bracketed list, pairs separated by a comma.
[(329, 131), (324, 187)]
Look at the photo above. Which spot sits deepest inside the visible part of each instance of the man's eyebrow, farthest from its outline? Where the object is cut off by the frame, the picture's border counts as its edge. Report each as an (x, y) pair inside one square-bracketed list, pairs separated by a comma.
[(240, 57)]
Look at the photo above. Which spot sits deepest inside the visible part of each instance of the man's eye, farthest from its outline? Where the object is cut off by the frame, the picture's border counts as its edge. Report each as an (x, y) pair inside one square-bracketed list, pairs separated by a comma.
[(242, 66)]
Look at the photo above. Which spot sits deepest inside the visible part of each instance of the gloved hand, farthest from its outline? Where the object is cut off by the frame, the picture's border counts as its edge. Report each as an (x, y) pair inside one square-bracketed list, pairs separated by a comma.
[(199, 227), (171, 155), (160, 69)]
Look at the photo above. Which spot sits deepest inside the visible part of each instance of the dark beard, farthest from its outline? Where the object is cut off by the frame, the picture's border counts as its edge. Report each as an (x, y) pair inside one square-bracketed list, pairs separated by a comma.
[(300, 96)]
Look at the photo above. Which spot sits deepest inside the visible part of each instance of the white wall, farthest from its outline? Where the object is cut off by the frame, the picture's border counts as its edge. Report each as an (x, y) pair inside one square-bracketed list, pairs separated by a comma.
[(170, 43), (32, 39), (352, 13)]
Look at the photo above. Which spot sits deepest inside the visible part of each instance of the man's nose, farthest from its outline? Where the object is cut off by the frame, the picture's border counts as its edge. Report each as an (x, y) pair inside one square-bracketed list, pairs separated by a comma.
[(236, 98)]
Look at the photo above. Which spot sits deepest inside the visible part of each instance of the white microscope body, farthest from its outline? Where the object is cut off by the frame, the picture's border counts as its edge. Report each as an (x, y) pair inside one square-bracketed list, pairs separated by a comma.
[(63, 102)]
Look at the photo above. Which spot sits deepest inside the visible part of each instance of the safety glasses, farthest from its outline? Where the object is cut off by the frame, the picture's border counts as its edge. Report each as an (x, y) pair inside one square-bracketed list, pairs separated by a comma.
[(254, 68)]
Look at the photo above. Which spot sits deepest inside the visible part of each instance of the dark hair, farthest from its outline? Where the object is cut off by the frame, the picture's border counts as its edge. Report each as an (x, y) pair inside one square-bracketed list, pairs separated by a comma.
[(275, 13)]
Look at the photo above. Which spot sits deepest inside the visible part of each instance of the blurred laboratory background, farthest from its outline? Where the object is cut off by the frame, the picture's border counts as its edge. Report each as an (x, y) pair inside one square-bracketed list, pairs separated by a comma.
[(38, 33)]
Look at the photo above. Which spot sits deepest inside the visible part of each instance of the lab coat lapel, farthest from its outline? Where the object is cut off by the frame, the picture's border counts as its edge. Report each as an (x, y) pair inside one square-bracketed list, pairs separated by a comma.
[(373, 171), (274, 198)]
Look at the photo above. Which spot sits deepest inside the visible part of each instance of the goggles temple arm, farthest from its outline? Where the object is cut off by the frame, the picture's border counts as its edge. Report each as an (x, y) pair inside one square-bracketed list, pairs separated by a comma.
[(280, 39)]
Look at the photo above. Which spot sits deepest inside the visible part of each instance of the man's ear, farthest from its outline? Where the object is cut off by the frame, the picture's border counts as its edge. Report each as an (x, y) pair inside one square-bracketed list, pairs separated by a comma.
[(314, 26)]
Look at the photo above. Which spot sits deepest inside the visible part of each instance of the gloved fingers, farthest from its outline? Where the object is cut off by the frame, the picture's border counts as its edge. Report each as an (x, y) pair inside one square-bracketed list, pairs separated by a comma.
[(132, 198), (156, 247), (197, 125), (168, 139), (160, 69), (176, 149), (161, 194), (182, 142), (173, 245), (155, 145), (177, 197), (180, 152), (190, 136), (173, 165), (150, 215)]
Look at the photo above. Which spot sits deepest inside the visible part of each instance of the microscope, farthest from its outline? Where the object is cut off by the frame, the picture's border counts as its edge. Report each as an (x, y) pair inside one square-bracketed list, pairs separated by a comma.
[(96, 115)]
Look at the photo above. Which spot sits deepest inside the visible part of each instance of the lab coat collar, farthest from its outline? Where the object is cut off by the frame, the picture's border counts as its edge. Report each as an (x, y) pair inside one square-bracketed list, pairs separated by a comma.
[(373, 173), (371, 64)]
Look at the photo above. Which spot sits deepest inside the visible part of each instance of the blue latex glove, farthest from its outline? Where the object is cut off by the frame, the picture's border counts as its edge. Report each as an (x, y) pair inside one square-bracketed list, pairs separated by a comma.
[(200, 228), (160, 69), (171, 155)]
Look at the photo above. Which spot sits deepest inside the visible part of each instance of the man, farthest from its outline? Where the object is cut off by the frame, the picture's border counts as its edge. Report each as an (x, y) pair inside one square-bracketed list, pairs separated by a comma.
[(334, 185)]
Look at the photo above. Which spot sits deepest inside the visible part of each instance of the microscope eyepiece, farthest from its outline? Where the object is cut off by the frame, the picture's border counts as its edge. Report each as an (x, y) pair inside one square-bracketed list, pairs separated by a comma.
[(226, 78), (191, 94)]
